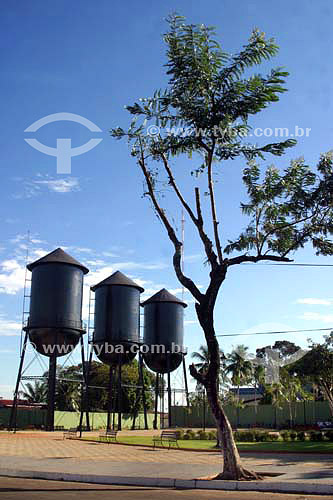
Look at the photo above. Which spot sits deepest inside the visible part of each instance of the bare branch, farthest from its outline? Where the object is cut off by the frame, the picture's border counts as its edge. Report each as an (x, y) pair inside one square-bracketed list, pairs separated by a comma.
[(197, 221), (212, 205), (199, 377), (185, 281), (256, 258)]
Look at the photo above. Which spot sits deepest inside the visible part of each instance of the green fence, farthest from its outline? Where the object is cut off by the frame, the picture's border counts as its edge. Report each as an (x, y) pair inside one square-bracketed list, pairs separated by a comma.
[(303, 413), (37, 418)]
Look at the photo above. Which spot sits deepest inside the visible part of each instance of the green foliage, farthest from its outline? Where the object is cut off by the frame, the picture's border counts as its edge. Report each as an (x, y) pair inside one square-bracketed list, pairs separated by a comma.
[(212, 435), (317, 367), (245, 436), (293, 435), (99, 376), (288, 209), (36, 393), (329, 435), (189, 434), (203, 435), (240, 369), (208, 94), (285, 435), (301, 436), (316, 436)]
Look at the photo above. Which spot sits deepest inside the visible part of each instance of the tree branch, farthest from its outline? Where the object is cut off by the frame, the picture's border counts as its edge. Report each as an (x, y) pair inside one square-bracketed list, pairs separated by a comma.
[(255, 258), (212, 205), (185, 281), (199, 377), (197, 221)]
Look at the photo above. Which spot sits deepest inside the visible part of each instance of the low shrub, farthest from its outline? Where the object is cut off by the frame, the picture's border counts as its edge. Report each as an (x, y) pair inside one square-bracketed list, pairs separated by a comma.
[(190, 433), (180, 433), (301, 436), (293, 435), (285, 435), (316, 436), (212, 435), (202, 435), (329, 435), (273, 436), (245, 436)]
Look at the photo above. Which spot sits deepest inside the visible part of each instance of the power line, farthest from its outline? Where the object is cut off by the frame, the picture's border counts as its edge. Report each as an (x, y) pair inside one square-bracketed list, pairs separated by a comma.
[(275, 333), (288, 264)]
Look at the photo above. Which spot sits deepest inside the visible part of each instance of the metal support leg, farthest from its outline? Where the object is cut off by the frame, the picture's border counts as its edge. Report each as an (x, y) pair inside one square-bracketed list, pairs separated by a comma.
[(84, 394), (162, 394), (169, 401), (142, 383), (51, 392), (185, 382), (119, 398), (108, 425), (13, 414), (156, 401)]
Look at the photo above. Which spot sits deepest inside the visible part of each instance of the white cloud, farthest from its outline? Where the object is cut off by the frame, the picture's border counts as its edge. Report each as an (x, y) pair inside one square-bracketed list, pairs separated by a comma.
[(109, 254), (315, 301), (32, 188), (12, 275), (9, 328), (60, 185), (314, 316), (191, 322)]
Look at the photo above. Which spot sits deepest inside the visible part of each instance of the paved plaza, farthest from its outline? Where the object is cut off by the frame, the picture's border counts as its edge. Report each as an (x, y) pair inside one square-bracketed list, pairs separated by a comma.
[(37, 452)]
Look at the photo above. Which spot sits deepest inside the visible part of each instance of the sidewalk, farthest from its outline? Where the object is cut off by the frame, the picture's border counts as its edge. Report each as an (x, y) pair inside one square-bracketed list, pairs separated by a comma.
[(48, 456)]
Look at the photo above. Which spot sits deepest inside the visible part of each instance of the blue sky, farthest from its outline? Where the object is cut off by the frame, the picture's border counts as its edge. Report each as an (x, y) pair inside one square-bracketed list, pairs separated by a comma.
[(92, 58)]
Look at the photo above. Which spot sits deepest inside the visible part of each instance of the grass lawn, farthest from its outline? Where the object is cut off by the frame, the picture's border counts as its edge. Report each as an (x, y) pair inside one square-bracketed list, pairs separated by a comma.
[(296, 446)]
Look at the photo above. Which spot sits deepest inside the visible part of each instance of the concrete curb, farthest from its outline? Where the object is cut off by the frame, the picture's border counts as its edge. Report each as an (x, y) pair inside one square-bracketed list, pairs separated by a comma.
[(276, 486)]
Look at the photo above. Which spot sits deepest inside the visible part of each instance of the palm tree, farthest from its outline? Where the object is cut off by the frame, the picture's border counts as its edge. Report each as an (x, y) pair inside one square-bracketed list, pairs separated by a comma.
[(36, 393), (258, 381), (276, 393), (203, 362), (240, 368), (203, 359)]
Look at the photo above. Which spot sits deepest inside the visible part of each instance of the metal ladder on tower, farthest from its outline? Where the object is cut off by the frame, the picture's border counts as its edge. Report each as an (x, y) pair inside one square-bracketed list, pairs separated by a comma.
[(23, 338)]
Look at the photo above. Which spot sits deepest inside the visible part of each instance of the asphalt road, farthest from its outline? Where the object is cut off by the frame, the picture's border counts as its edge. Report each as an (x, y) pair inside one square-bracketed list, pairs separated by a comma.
[(32, 489)]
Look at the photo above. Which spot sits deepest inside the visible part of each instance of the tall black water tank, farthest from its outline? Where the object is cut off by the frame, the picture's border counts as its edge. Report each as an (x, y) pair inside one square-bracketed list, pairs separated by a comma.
[(55, 317), (164, 325), (117, 318)]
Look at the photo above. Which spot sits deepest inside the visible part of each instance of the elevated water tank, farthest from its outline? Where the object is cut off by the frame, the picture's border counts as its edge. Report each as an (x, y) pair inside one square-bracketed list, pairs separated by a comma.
[(55, 316), (163, 325), (117, 319)]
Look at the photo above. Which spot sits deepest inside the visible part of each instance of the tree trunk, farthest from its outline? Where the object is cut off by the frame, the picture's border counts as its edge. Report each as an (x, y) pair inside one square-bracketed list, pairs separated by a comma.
[(232, 466)]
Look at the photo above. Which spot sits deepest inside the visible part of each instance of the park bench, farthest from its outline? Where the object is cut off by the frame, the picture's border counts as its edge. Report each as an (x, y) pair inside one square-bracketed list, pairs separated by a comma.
[(107, 436), (168, 437), (70, 433)]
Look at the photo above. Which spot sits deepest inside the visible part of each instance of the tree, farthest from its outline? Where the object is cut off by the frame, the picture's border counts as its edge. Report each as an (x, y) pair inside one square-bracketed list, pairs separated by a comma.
[(241, 370), (317, 366), (202, 356), (99, 376), (203, 114), (36, 393), (284, 347)]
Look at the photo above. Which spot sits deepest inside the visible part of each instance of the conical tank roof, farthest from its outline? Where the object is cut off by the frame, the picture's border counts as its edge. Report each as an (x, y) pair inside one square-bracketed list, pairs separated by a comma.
[(163, 296), (58, 256), (120, 279)]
